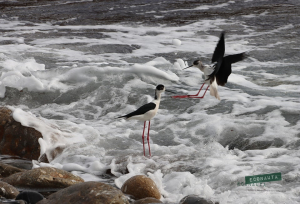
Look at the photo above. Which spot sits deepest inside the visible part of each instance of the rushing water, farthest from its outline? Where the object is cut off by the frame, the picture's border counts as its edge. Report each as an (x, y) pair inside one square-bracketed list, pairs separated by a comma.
[(69, 68)]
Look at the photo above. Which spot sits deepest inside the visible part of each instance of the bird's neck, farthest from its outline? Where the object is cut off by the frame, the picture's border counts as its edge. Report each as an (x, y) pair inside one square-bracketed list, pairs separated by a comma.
[(201, 67), (157, 96)]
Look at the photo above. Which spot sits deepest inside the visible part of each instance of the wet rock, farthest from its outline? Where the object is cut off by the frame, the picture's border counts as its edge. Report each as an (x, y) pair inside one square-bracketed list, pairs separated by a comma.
[(141, 186), (11, 201), (17, 162), (88, 192), (194, 199), (44, 177), (247, 144), (8, 191), (147, 200), (17, 140), (7, 170), (31, 197)]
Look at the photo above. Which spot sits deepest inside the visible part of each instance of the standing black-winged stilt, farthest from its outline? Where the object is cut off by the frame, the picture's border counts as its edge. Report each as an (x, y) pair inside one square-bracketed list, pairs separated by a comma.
[(147, 112), (218, 73)]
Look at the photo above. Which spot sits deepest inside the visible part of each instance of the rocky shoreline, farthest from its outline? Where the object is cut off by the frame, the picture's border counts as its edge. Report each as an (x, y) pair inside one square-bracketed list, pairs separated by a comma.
[(52, 185)]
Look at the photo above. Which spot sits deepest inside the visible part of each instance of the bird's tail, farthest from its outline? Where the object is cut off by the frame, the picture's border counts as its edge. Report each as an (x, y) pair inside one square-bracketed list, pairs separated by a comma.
[(123, 116), (214, 89)]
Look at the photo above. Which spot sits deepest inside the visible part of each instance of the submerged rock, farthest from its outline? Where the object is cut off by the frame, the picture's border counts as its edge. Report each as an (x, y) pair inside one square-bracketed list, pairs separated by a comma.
[(31, 197), (194, 199), (7, 170), (88, 192), (8, 191), (147, 200), (44, 177), (17, 140), (141, 186)]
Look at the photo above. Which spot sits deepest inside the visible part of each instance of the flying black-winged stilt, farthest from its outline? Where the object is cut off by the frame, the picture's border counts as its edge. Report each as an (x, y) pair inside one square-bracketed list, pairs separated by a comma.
[(218, 73), (147, 112)]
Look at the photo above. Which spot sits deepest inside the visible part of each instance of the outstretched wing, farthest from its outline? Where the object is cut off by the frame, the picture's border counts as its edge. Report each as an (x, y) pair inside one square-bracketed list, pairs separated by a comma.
[(219, 50), (217, 57), (235, 58), (225, 68), (140, 111)]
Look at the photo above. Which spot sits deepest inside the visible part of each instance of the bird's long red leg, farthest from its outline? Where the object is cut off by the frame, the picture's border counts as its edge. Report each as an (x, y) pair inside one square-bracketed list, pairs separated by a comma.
[(189, 96), (148, 138), (195, 96), (143, 137)]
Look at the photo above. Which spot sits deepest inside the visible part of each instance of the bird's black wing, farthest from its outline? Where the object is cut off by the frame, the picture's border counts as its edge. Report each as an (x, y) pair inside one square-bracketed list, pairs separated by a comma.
[(219, 50), (140, 111), (235, 58), (217, 57), (225, 68)]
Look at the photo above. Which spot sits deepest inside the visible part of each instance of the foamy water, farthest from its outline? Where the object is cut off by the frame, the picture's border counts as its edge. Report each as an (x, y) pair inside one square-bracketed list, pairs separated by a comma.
[(71, 86)]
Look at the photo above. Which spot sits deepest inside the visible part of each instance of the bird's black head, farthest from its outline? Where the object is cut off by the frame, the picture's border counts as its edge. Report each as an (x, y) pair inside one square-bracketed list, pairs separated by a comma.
[(160, 87), (196, 62)]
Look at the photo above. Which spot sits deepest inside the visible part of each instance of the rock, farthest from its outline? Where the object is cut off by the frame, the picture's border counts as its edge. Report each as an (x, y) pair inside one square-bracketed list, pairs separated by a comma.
[(11, 201), (18, 162), (17, 140), (8, 191), (194, 199), (88, 192), (141, 186), (146, 201), (44, 177), (31, 197), (7, 170)]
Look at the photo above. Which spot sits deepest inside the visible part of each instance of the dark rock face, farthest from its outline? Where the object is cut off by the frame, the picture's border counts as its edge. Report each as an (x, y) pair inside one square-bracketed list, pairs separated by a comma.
[(31, 197), (194, 199), (8, 191), (45, 177), (140, 187), (87, 192), (17, 140), (246, 144), (7, 170)]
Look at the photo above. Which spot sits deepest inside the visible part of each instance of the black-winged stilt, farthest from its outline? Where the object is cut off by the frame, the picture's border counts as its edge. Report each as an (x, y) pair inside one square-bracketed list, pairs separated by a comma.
[(147, 112), (218, 73)]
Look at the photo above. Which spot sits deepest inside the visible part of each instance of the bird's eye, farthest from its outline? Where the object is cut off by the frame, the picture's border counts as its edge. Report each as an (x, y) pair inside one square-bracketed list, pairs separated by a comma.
[(196, 62)]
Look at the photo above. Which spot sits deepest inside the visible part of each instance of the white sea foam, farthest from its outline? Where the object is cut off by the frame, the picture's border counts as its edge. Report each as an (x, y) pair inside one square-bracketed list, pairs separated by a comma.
[(84, 90)]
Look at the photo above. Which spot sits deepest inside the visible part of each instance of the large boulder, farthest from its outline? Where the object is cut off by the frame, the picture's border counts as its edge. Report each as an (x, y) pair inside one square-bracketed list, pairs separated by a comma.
[(141, 186), (88, 192), (17, 140), (7, 170), (8, 191), (44, 177)]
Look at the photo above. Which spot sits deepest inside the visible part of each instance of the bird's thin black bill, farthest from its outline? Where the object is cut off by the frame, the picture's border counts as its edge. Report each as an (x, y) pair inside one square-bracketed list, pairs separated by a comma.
[(170, 91), (189, 66)]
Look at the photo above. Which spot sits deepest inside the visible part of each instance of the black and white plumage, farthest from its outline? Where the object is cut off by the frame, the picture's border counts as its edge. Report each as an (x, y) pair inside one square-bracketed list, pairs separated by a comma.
[(218, 73), (147, 112)]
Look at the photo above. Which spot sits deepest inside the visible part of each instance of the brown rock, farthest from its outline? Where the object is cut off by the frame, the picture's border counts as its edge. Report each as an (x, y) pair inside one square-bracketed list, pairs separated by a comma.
[(194, 199), (7, 170), (17, 140), (44, 177), (141, 186), (88, 192), (147, 200), (8, 191)]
